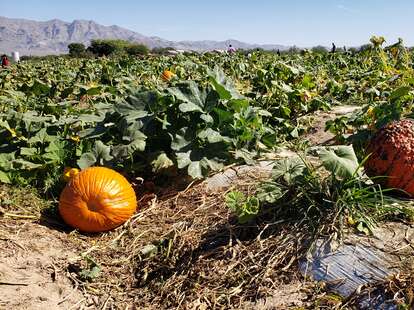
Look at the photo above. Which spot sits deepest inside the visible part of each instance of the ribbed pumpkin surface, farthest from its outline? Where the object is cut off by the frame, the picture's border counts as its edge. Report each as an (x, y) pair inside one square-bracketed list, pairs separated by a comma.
[(97, 199), (392, 156)]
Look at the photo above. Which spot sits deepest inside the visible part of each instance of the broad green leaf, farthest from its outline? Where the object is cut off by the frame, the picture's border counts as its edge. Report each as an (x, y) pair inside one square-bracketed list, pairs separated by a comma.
[(4, 177), (207, 118), (91, 118), (222, 84), (195, 170), (86, 160), (399, 92), (212, 136), (6, 161), (246, 208), (238, 104), (129, 112), (192, 98), (289, 169), (102, 152), (94, 91), (181, 139), (135, 138), (214, 165), (341, 161), (189, 107), (160, 163), (42, 137), (234, 199), (28, 151), (39, 88), (26, 165), (270, 193), (183, 159)]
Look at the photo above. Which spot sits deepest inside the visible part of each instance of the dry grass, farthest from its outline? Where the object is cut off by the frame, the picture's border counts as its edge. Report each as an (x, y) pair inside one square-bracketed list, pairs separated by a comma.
[(185, 250)]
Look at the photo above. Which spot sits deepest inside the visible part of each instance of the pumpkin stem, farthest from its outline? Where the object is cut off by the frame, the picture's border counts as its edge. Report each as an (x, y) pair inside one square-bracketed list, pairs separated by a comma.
[(69, 173)]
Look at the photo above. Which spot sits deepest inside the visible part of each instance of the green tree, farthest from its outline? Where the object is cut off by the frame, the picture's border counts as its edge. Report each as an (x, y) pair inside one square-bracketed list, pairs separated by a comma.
[(76, 49), (319, 49), (136, 49)]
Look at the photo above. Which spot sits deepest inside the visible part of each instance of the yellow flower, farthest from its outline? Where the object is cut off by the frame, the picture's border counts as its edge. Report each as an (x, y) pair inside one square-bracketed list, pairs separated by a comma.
[(305, 95), (350, 221), (370, 111), (12, 132), (75, 138), (167, 75), (92, 85), (69, 173)]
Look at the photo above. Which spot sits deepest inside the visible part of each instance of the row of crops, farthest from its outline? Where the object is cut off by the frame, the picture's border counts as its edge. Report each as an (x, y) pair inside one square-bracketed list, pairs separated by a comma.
[(216, 109)]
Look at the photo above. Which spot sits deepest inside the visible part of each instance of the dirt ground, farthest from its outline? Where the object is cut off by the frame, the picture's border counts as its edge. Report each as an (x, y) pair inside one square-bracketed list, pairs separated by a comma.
[(32, 262), (40, 258)]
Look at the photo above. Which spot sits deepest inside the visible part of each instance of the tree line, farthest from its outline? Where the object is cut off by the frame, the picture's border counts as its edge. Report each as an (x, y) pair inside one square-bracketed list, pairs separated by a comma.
[(106, 48)]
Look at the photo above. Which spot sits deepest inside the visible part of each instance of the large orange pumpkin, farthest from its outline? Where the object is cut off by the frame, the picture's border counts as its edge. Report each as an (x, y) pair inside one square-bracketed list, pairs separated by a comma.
[(97, 199), (391, 157)]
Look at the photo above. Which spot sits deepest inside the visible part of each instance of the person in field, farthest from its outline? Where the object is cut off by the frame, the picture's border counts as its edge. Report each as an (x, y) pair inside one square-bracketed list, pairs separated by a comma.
[(4, 61), (231, 49)]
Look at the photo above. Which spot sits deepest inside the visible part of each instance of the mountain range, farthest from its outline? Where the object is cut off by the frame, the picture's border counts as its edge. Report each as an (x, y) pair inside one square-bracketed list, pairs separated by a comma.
[(30, 37)]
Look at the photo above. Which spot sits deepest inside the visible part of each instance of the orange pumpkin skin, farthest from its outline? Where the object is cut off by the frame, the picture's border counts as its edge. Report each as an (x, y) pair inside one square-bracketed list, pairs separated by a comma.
[(97, 199), (392, 156)]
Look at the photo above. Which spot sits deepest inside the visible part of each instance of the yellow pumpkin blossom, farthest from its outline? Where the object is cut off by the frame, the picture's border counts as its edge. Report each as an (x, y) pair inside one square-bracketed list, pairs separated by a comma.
[(12, 132), (69, 173), (370, 111), (75, 138), (167, 75), (351, 221)]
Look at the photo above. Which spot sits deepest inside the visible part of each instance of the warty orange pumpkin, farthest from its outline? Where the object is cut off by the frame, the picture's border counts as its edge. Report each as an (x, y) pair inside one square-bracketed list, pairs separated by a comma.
[(391, 156), (97, 199)]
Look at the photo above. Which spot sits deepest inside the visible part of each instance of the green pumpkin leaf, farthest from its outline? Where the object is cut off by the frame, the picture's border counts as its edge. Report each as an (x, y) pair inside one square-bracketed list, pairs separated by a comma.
[(26, 165), (399, 92), (195, 170), (212, 136), (181, 139), (28, 151), (183, 159), (4, 177), (207, 118), (223, 85), (289, 169), (341, 161), (86, 160), (160, 163), (102, 152)]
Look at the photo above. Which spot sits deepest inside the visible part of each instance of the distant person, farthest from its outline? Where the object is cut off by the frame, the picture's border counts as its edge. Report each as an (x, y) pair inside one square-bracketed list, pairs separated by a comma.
[(4, 61), (231, 49), (278, 52), (333, 48)]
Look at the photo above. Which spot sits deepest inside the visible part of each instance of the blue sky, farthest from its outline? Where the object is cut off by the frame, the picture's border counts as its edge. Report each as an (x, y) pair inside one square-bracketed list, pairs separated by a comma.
[(291, 22)]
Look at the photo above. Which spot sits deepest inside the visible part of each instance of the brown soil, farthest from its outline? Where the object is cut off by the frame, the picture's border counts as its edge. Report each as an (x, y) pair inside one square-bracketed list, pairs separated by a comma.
[(32, 267), (317, 135)]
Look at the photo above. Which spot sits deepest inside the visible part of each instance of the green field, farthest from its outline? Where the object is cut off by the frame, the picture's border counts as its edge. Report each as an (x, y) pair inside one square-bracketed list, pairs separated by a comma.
[(217, 110)]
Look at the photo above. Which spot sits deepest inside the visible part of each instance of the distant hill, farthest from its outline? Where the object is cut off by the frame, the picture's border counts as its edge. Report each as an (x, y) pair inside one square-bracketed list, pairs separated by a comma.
[(52, 37)]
